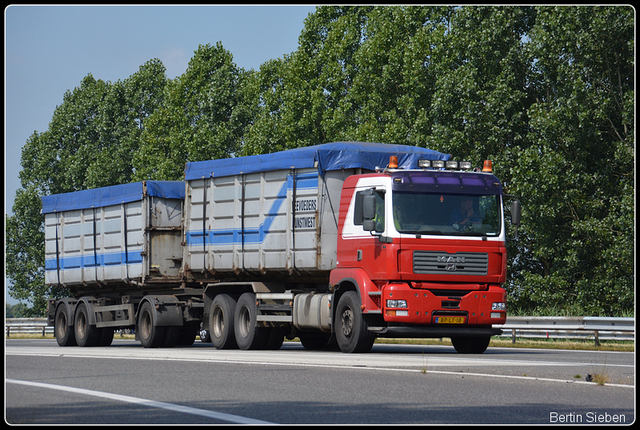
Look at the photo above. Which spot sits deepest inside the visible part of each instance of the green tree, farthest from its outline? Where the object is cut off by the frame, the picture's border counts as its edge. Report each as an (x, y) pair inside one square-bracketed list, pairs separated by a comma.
[(202, 117), (576, 177), (89, 143)]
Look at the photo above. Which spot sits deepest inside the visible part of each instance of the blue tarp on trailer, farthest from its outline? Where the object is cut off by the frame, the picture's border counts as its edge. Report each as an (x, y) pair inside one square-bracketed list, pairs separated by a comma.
[(113, 195), (328, 156)]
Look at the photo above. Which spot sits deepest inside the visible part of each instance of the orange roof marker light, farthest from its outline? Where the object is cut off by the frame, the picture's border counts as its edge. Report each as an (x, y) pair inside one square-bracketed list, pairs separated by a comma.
[(393, 162), (487, 168)]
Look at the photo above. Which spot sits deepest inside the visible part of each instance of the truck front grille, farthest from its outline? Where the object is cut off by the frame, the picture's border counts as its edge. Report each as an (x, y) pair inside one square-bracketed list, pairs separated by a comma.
[(443, 263)]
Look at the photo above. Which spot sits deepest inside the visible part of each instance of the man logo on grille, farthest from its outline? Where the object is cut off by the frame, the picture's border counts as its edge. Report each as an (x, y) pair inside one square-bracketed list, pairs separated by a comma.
[(451, 261)]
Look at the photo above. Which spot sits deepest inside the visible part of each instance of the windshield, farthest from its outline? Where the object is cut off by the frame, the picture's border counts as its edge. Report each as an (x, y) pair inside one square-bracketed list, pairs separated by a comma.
[(450, 214)]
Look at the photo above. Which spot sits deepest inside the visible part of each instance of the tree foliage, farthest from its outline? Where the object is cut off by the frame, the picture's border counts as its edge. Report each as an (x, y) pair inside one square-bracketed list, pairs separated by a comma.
[(545, 92)]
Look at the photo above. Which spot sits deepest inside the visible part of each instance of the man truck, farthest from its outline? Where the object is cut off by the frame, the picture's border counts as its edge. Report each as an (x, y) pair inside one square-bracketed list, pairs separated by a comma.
[(338, 244)]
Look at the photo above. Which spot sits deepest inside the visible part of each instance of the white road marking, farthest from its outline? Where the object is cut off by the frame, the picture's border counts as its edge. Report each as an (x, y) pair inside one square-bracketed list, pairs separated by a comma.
[(236, 419)]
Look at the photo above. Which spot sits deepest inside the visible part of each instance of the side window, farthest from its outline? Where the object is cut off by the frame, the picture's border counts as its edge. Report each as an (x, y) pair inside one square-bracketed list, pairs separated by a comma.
[(358, 217)]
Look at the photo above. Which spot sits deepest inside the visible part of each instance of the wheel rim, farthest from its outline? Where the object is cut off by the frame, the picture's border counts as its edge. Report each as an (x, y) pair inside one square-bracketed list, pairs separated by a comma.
[(61, 324), (218, 322), (145, 325), (81, 325), (347, 322), (245, 322)]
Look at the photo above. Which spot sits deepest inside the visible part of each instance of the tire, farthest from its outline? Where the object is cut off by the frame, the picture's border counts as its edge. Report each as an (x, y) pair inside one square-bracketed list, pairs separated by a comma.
[(63, 331), (248, 334), (150, 335), (314, 341), (352, 332), (106, 337), (471, 344), (86, 334), (188, 333), (171, 336), (221, 322), (275, 338)]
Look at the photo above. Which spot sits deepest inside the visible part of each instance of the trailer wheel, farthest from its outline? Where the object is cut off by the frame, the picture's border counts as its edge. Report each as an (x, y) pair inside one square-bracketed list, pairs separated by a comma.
[(275, 338), (221, 322), (471, 344), (188, 333), (106, 336), (171, 336), (150, 335), (86, 334), (352, 331), (247, 332), (63, 331)]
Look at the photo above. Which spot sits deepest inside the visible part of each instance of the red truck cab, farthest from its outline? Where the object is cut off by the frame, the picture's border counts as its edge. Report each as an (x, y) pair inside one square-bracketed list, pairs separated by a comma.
[(425, 250)]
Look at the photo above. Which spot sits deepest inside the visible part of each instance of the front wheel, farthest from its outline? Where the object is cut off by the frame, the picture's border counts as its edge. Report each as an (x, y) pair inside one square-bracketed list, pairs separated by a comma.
[(352, 333), (471, 344)]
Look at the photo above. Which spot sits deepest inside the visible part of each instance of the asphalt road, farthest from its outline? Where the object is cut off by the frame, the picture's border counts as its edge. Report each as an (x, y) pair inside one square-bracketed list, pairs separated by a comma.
[(393, 384)]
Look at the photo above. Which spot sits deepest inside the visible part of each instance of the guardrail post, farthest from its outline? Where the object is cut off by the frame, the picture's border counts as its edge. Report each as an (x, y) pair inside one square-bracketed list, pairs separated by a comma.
[(513, 335), (597, 337)]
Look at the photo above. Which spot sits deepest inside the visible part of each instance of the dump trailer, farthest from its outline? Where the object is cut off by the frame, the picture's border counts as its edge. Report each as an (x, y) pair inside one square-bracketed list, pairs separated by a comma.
[(118, 251), (336, 244)]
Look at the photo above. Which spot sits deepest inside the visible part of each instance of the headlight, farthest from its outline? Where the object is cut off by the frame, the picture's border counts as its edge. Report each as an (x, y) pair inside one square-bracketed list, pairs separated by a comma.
[(397, 304), (498, 306)]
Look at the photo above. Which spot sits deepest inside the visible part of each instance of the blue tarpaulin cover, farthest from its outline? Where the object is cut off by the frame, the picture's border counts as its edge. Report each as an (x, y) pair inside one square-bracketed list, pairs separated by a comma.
[(328, 156), (114, 195)]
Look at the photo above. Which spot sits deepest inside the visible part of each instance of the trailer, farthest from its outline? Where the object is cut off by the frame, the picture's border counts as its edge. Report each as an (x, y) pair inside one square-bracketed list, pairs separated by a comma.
[(334, 244), (118, 251)]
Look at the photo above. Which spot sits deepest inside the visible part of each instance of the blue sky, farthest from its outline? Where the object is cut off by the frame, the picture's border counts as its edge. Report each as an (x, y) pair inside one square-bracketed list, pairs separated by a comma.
[(49, 49)]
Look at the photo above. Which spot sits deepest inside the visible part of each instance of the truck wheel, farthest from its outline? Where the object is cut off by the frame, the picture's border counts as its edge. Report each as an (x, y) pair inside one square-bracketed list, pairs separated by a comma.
[(64, 332), (221, 326), (188, 333), (150, 335), (314, 341), (275, 338), (106, 336), (171, 336), (248, 334), (352, 331), (471, 344), (86, 334)]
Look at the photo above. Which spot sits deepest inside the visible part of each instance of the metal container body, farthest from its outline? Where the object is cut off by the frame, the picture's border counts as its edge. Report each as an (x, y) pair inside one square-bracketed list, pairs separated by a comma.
[(264, 223), (126, 236)]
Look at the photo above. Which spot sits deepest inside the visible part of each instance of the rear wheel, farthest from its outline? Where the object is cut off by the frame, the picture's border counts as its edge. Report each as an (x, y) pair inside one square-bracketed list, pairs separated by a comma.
[(352, 332), (248, 334), (62, 330), (221, 322), (150, 335), (86, 334), (471, 344)]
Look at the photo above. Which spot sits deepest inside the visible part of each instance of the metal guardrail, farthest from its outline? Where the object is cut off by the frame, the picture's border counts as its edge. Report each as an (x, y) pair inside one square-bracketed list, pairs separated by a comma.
[(27, 326), (601, 328)]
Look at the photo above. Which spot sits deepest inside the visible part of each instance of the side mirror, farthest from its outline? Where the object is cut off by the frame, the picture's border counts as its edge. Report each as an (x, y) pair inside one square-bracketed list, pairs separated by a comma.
[(369, 212), (515, 212)]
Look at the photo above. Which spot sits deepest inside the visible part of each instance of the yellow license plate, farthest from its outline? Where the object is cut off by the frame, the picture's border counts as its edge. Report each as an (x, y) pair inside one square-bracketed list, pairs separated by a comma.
[(449, 320)]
